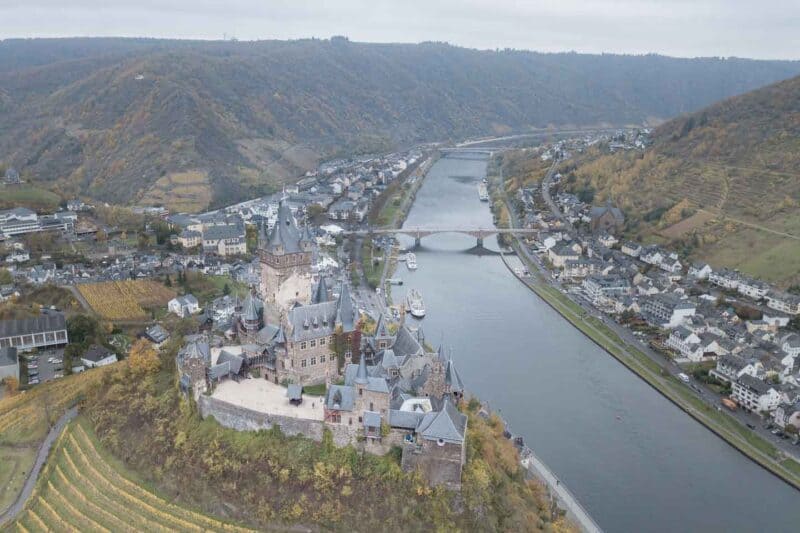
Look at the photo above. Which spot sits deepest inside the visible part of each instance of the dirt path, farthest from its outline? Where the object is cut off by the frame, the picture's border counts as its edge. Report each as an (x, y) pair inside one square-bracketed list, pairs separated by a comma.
[(751, 225), (30, 482)]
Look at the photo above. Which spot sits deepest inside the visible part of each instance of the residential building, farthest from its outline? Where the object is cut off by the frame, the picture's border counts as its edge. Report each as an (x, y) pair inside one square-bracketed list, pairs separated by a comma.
[(755, 395), (96, 356), (666, 310), (784, 302), (184, 306)]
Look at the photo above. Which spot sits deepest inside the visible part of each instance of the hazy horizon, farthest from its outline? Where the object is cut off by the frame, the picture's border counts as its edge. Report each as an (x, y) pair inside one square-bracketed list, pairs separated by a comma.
[(676, 28)]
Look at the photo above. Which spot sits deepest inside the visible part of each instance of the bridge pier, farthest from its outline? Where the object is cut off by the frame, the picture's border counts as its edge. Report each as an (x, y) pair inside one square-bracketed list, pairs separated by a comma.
[(480, 242), (417, 241)]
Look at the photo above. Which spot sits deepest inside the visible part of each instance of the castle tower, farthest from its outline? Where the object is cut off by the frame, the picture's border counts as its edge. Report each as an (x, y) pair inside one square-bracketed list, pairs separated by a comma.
[(285, 257)]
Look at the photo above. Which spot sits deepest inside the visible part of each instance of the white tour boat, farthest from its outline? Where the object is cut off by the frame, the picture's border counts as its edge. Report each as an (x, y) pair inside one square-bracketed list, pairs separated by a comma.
[(414, 304), (483, 193)]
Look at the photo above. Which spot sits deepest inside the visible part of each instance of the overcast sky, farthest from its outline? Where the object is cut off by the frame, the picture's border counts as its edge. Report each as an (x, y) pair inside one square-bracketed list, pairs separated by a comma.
[(743, 28)]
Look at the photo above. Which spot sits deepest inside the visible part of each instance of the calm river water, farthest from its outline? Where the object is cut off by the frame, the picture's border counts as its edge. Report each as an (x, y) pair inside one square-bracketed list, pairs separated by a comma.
[(635, 461)]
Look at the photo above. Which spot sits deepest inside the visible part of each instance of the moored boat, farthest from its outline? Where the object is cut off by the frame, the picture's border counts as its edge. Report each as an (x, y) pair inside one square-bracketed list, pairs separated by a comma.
[(411, 261), (414, 304)]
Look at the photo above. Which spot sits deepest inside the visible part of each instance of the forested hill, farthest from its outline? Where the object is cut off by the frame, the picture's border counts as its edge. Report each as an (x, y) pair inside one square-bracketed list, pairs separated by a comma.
[(203, 123), (723, 183)]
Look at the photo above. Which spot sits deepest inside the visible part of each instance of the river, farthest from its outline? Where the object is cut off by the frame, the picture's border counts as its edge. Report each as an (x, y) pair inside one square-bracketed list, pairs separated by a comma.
[(634, 460)]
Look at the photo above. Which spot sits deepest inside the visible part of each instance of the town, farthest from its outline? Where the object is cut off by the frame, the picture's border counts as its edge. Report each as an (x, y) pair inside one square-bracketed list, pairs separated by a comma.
[(734, 339)]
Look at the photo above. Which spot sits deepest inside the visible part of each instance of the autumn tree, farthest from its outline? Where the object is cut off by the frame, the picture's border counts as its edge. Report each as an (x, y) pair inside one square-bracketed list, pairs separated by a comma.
[(143, 358), (12, 385)]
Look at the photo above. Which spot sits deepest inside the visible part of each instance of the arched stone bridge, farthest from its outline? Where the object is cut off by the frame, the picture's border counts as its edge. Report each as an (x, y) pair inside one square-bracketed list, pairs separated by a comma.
[(419, 232)]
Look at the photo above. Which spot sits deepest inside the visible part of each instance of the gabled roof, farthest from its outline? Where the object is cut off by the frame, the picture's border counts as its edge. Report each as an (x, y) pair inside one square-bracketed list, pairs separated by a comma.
[(406, 344), (340, 398), (448, 425), (97, 353)]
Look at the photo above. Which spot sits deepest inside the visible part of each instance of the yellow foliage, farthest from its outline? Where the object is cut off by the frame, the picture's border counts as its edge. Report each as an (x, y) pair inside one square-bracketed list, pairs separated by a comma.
[(143, 358)]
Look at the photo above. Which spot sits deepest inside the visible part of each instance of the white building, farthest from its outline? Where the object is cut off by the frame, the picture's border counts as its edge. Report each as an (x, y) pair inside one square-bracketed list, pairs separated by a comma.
[(184, 306), (755, 395), (97, 356)]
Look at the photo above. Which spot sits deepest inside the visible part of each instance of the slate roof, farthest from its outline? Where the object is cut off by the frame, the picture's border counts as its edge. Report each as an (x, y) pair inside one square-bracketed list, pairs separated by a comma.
[(234, 361), (340, 398), (372, 419), (405, 419), (405, 344), (156, 333), (28, 326), (755, 384), (223, 232), (452, 378), (320, 292), (448, 425), (284, 235), (196, 349), (251, 308), (96, 353), (294, 391), (346, 314)]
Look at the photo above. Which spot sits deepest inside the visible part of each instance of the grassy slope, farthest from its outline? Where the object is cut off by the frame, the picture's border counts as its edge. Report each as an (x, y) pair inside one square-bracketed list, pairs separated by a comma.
[(737, 161)]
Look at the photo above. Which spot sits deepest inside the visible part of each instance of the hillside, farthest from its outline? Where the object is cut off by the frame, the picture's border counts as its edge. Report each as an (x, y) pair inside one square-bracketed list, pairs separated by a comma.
[(722, 183), (159, 466), (198, 124)]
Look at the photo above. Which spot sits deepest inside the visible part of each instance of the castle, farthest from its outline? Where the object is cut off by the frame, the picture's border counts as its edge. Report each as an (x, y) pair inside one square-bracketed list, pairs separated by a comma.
[(381, 390)]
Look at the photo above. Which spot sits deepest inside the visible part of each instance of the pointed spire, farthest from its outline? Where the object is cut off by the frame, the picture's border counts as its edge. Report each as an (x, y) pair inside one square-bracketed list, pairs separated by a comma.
[(321, 292), (250, 309), (345, 313), (381, 331), (361, 375), (440, 354)]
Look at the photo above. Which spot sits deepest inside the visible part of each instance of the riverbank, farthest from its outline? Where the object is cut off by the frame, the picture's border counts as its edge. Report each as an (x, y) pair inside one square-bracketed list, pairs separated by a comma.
[(390, 211), (658, 377)]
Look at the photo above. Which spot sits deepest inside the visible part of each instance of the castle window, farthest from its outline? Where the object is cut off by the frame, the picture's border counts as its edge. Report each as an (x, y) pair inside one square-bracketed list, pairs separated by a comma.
[(321, 358), (350, 421), (371, 407), (360, 420), (313, 343), (303, 345), (322, 341), (440, 442), (361, 392), (303, 363), (313, 361), (348, 355)]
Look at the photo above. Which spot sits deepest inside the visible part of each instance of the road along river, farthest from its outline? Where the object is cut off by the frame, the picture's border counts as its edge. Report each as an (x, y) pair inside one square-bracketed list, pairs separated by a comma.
[(634, 460)]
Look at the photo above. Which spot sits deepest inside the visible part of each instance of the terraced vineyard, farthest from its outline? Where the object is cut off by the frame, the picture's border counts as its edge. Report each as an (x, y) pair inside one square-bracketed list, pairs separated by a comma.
[(81, 490), (125, 300), (24, 421)]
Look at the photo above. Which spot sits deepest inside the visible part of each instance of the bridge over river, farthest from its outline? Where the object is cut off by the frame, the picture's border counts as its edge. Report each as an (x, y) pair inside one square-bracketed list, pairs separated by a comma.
[(419, 232)]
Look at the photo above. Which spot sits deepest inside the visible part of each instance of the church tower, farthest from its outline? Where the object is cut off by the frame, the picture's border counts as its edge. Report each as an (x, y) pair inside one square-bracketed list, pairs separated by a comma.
[(285, 257)]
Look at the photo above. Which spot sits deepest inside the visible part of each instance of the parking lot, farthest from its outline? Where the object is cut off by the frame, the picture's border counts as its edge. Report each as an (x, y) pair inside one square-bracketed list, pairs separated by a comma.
[(41, 367)]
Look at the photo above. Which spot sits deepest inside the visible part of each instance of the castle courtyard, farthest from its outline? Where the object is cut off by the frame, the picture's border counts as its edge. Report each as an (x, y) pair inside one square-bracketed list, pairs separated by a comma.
[(266, 397)]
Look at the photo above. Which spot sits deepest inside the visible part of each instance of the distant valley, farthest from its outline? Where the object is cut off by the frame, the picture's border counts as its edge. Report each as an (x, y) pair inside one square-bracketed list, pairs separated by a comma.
[(194, 125)]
